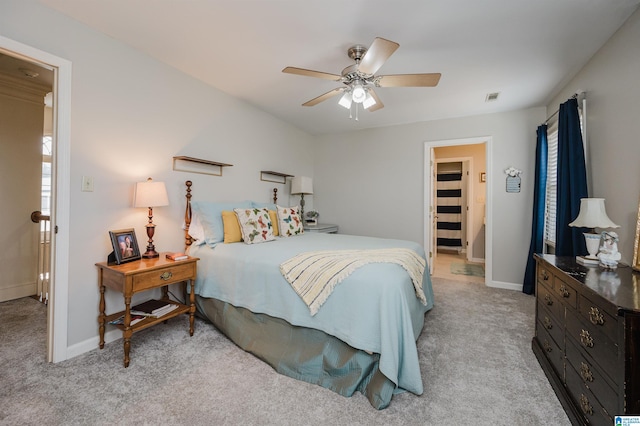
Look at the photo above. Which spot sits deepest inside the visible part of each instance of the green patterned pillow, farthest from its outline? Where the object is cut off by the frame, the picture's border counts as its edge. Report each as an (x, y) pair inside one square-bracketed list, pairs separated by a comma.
[(289, 221), (255, 225)]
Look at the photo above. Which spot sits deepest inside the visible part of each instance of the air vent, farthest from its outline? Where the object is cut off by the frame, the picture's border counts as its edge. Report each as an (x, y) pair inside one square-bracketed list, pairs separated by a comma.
[(492, 97)]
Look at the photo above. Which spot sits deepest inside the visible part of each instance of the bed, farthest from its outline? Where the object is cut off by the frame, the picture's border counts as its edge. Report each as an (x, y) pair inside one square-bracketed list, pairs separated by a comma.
[(363, 335)]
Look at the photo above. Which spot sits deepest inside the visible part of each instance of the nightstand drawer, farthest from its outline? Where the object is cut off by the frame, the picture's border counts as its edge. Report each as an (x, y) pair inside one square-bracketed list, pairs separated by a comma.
[(164, 276)]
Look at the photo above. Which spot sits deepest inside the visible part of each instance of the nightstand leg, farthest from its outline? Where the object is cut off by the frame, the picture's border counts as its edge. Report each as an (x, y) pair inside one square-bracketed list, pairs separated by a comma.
[(127, 332), (101, 317), (192, 304)]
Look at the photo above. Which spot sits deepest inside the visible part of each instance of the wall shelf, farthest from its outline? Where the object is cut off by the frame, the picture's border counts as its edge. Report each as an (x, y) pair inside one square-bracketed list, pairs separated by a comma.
[(277, 177), (197, 165)]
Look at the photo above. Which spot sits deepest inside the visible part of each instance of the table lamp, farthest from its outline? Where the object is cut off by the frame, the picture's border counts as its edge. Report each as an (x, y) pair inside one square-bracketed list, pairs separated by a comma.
[(150, 194), (301, 185), (592, 215)]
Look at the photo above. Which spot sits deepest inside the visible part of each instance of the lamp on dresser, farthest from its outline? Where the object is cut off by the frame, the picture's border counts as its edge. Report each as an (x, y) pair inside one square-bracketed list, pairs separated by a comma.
[(150, 194), (301, 185), (592, 215)]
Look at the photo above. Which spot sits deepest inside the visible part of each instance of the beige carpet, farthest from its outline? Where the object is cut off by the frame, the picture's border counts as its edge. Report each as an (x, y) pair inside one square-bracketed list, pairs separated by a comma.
[(475, 356)]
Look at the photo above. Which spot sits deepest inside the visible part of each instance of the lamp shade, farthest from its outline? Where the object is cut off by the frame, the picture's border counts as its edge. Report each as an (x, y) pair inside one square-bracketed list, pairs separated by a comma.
[(150, 194), (301, 185), (593, 215)]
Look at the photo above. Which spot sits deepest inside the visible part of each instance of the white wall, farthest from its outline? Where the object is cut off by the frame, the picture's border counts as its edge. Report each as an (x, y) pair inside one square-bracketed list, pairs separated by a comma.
[(610, 80), (370, 182), (130, 115)]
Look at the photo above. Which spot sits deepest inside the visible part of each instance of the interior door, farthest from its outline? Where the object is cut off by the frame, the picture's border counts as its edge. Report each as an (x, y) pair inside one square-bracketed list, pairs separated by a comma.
[(21, 131)]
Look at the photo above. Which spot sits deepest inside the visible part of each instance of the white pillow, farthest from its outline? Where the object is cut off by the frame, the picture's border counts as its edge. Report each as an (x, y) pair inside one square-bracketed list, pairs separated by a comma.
[(255, 225), (289, 221), (196, 231)]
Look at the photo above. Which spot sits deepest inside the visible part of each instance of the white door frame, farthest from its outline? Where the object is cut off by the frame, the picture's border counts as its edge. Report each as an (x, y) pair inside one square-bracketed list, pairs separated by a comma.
[(428, 190), (60, 202)]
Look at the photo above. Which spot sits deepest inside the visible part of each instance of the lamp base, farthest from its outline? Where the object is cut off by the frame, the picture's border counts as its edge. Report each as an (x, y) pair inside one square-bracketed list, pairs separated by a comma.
[(150, 254), (586, 261)]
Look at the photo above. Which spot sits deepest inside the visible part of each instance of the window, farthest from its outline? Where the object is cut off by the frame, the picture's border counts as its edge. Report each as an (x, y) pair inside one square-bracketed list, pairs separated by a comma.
[(552, 188), (552, 180)]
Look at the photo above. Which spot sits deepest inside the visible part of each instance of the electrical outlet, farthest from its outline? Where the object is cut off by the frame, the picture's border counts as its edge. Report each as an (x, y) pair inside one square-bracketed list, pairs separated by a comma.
[(87, 184)]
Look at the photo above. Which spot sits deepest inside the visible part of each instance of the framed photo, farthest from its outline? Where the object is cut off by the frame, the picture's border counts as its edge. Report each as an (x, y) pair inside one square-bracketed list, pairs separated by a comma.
[(125, 246), (636, 245), (483, 177)]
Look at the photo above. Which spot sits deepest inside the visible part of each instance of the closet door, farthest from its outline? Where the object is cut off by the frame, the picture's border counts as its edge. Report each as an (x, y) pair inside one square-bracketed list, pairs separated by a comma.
[(449, 208)]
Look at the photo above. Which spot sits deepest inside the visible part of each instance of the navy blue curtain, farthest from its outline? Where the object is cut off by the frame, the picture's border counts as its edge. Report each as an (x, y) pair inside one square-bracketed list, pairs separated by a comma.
[(572, 181), (539, 193)]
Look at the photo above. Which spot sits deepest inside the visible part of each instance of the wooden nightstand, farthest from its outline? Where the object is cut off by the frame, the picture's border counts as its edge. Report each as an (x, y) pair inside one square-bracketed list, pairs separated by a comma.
[(142, 275), (325, 228)]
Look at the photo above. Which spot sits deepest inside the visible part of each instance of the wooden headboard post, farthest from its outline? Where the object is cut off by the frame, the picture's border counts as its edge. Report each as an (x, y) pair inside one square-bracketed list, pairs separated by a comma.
[(187, 216)]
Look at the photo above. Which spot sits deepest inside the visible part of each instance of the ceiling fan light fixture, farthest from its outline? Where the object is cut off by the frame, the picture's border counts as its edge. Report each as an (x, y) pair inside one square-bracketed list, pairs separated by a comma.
[(369, 101), (345, 100), (358, 93)]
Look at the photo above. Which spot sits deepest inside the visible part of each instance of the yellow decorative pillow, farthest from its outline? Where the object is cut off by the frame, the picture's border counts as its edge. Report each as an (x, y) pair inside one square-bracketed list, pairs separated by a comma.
[(274, 220), (231, 226)]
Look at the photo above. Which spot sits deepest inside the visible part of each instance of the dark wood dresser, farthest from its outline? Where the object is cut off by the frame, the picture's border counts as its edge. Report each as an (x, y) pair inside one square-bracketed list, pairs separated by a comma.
[(587, 337)]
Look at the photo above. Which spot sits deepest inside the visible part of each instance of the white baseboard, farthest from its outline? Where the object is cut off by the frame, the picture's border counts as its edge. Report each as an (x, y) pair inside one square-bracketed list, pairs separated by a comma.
[(92, 343), (507, 286), (477, 260), (18, 291)]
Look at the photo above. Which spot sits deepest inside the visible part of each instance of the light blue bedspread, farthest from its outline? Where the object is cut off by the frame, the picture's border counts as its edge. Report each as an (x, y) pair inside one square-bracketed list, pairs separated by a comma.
[(375, 309)]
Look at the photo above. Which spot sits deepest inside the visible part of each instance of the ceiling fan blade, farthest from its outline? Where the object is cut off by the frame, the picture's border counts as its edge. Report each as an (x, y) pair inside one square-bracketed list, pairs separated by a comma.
[(378, 105), (324, 97), (409, 80), (311, 73), (377, 55)]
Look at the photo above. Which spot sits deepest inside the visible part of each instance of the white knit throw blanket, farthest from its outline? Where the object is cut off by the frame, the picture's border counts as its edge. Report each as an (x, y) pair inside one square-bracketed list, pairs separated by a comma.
[(314, 275)]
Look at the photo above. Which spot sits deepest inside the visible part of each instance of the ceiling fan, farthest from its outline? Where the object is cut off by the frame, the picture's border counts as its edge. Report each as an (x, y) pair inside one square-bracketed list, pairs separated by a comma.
[(359, 78)]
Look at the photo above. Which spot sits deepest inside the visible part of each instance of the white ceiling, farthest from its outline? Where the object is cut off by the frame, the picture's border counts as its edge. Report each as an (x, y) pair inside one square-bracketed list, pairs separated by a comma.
[(524, 49)]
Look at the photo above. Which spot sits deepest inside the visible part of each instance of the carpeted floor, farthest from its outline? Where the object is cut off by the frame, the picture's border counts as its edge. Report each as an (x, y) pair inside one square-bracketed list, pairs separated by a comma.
[(475, 356), (470, 269)]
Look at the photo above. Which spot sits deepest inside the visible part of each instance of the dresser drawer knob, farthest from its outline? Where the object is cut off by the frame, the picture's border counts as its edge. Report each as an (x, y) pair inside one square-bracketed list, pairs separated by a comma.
[(166, 276), (585, 372), (584, 404), (595, 316), (548, 299), (586, 339), (547, 346), (547, 323), (545, 276), (564, 291)]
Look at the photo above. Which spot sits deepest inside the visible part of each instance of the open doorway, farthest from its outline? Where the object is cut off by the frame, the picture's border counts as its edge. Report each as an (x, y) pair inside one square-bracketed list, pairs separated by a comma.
[(58, 256), (456, 209)]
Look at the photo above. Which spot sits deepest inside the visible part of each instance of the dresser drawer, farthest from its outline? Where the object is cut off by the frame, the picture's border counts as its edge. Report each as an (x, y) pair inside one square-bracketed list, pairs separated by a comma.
[(544, 276), (585, 400), (594, 344), (165, 276), (550, 323), (547, 298), (596, 315), (565, 292), (551, 349), (592, 378)]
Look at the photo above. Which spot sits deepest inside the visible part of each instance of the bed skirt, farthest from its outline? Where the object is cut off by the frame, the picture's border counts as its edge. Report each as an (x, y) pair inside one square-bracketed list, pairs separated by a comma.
[(301, 353)]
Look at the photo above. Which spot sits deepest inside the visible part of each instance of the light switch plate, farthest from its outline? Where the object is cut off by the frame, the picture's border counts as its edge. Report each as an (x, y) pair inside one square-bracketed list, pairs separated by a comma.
[(87, 184)]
